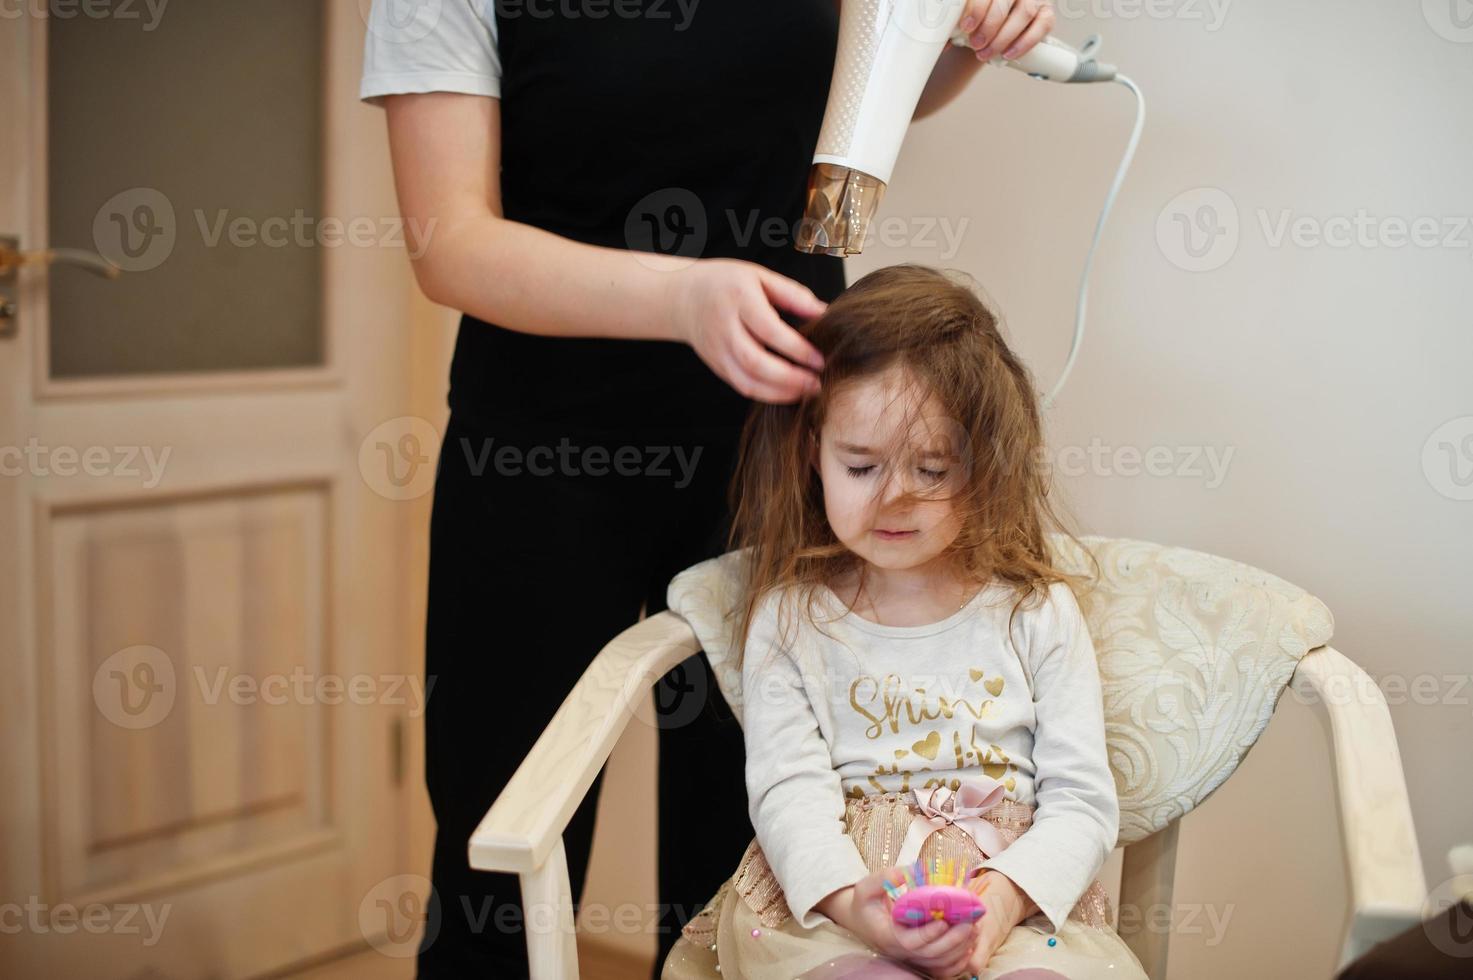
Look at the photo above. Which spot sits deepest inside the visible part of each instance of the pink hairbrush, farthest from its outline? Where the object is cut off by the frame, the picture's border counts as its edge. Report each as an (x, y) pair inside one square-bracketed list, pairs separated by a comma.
[(938, 890)]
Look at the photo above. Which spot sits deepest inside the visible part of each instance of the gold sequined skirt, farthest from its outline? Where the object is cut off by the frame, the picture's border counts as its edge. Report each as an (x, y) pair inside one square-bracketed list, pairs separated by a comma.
[(750, 906)]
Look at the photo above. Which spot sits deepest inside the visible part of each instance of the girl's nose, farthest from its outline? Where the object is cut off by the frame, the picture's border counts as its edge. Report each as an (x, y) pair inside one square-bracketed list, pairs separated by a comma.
[(898, 482)]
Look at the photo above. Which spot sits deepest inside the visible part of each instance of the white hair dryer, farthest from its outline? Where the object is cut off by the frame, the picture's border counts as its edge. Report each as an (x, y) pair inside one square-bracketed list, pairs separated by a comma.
[(887, 51)]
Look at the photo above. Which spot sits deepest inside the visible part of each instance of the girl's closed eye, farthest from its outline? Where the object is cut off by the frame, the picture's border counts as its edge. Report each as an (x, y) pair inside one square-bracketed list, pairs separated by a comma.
[(932, 475)]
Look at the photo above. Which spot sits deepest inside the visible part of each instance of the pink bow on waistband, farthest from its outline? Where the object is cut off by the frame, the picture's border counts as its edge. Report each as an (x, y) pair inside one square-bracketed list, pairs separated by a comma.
[(976, 796)]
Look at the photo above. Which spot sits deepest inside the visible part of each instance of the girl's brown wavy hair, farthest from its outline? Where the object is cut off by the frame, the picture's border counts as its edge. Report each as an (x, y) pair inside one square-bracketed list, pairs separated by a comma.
[(934, 326)]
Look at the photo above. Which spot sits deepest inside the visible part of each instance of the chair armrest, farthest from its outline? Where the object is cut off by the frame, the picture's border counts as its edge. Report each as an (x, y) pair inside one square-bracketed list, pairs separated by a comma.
[(1383, 861), (527, 820)]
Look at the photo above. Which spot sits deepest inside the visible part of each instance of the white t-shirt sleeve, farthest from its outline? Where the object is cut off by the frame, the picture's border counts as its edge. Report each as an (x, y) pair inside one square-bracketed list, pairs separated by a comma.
[(430, 46), (1078, 812), (794, 796)]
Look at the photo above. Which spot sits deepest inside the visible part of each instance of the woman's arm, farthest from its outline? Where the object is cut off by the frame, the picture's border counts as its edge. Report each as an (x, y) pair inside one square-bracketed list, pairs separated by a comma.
[(446, 152)]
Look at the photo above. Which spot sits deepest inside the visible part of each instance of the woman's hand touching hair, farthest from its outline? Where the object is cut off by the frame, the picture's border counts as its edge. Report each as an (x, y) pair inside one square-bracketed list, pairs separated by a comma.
[(726, 309)]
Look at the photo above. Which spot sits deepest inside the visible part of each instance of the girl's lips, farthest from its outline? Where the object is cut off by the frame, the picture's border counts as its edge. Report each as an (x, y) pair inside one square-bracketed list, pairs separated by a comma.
[(893, 535)]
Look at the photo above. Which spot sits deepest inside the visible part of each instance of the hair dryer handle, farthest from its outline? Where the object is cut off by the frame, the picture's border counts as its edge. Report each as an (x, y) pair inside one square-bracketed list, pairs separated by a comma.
[(1055, 61)]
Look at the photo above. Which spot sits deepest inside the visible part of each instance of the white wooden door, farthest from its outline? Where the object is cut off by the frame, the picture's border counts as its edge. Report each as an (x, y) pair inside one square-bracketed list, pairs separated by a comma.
[(208, 664)]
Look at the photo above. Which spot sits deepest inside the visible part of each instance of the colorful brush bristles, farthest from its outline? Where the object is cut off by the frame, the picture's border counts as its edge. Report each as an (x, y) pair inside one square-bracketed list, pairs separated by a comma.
[(958, 873)]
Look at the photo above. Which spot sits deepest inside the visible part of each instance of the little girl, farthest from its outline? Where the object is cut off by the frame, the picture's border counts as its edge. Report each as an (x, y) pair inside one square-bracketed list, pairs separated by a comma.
[(918, 680)]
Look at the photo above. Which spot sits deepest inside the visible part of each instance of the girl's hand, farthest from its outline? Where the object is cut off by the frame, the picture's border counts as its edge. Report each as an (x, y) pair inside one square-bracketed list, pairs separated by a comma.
[(937, 949), (1007, 905), (1007, 27), (726, 309)]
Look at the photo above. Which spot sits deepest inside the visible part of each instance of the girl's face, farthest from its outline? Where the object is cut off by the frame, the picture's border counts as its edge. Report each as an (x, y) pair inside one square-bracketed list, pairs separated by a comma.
[(867, 461)]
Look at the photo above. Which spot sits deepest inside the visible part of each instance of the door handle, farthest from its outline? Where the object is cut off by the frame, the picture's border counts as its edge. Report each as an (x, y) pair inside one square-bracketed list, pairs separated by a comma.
[(12, 258)]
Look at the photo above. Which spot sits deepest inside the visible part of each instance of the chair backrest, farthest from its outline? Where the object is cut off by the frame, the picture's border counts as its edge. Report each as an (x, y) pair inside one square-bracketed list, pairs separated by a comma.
[(1194, 653)]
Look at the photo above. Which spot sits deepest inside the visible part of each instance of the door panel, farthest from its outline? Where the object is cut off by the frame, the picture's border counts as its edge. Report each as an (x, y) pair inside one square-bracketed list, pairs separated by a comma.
[(187, 638)]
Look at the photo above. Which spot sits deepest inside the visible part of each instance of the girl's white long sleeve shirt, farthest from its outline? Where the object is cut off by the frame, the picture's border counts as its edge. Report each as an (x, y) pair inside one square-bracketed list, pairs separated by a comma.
[(870, 708)]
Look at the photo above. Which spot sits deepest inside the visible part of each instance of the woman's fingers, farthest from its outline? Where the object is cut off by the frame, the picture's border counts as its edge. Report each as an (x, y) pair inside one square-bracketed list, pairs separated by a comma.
[(1007, 27), (972, 16), (761, 374), (790, 294), (993, 14), (768, 328), (1018, 19), (1036, 31), (776, 378), (724, 309), (784, 293)]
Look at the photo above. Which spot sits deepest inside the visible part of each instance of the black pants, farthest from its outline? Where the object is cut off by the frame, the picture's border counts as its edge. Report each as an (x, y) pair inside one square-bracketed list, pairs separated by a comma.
[(531, 574)]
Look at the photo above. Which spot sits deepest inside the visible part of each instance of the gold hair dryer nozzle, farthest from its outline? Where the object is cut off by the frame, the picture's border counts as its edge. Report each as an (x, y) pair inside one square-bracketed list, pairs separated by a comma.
[(841, 203)]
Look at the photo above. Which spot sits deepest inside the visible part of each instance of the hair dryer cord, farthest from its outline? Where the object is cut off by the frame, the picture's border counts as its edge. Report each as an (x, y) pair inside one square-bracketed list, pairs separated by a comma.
[(1135, 138)]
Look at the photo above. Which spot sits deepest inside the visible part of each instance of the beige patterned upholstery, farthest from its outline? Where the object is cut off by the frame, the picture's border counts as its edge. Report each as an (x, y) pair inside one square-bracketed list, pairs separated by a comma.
[(1194, 652)]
